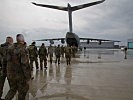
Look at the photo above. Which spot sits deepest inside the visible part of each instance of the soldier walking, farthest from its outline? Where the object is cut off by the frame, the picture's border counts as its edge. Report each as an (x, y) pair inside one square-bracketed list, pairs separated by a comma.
[(43, 56), (68, 52), (33, 54), (18, 69), (57, 54), (74, 50), (50, 53), (62, 51), (3, 53), (0, 61)]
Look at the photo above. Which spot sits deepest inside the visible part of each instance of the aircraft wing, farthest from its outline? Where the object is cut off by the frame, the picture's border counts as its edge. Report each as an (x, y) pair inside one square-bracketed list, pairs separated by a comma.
[(74, 8), (50, 39), (98, 39), (51, 6)]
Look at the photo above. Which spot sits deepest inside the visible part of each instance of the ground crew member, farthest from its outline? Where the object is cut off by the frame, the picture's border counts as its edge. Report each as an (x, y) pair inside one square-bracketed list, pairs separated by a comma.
[(62, 51), (57, 54), (125, 51), (68, 52), (18, 69), (3, 53), (43, 56), (50, 53), (33, 54)]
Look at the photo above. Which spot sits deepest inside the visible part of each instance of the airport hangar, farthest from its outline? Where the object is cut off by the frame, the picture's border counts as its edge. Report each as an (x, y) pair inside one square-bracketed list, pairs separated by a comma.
[(130, 43), (103, 44)]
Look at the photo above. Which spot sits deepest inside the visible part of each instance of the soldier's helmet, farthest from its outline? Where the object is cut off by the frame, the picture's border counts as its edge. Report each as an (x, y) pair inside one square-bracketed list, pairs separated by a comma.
[(9, 40), (42, 44), (33, 43), (20, 38)]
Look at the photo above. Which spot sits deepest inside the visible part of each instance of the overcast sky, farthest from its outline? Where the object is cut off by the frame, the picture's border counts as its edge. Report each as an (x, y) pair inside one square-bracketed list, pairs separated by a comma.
[(112, 19)]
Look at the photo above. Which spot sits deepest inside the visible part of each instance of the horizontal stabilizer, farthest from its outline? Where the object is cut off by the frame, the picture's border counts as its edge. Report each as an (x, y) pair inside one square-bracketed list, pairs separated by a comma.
[(74, 8), (51, 6), (86, 5)]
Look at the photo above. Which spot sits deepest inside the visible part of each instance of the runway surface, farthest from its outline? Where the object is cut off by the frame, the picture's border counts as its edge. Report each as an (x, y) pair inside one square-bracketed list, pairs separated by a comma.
[(94, 74)]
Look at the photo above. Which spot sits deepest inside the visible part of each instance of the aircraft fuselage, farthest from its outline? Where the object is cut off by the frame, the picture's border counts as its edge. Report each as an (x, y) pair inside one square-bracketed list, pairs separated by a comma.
[(72, 39)]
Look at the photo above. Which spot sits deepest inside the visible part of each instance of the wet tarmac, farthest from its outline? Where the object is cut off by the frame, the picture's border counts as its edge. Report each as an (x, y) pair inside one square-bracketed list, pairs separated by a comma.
[(94, 74)]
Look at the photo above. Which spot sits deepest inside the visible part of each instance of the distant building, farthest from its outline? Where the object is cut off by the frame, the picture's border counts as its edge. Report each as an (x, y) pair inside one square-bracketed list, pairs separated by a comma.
[(130, 43), (107, 44)]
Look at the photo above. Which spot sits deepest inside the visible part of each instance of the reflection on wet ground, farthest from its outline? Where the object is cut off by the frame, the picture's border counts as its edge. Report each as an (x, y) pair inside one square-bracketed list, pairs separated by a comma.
[(95, 74)]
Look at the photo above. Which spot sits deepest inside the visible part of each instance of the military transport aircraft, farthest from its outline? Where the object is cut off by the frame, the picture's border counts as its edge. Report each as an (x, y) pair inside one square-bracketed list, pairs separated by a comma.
[(71, 38)]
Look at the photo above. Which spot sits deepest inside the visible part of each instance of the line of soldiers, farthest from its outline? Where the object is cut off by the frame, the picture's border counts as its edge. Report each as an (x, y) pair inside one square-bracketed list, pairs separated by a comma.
[(16, 63), (44, 53)]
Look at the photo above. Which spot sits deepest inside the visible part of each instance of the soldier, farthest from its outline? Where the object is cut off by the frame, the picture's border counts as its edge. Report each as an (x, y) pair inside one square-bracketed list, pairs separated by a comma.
[(57, 54), (74, 50), (0, 59), (33, 54), (62, 51), (50, 52), (18, 69), (43, 56), (68, 52), (125, 51), (3, 53)]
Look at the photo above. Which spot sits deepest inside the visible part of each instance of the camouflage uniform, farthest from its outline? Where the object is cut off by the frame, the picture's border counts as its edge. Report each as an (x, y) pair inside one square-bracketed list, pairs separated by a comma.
[(33, 54), (50, 52), (0, 59), (68, 52), (74, 50), (62, 51), (3, 75), (43, 56), (18, 71), (57, 54)]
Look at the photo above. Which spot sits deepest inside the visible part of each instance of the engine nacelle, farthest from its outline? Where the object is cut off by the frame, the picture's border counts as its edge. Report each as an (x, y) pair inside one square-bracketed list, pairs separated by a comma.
[(62, 41), (100, 42), (88, 41), (51, 41)]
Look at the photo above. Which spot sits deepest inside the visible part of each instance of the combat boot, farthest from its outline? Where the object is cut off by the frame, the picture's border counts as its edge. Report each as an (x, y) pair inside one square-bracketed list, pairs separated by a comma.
[(50, 61), (67, 62), (41, 67), (45, 67)]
